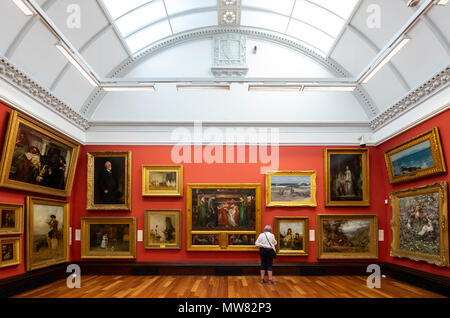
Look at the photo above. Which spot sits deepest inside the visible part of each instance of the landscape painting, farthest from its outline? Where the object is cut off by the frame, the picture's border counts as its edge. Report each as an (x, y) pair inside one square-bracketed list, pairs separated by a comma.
[(291, 188), (161, 181), (292, 235), (417, 158), (347, 236), (162, 229), (417, 216)]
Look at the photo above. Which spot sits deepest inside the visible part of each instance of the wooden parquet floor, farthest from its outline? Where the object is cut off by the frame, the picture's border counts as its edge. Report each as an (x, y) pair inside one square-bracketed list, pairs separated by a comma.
[(228, 287)]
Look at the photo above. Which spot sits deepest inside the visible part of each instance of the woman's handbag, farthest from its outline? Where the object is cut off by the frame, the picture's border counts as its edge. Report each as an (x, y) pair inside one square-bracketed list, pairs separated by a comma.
[(274, 254)]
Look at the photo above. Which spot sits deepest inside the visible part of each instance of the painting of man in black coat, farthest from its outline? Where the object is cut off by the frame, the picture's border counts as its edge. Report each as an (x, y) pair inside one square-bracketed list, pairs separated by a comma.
[(108, 185)]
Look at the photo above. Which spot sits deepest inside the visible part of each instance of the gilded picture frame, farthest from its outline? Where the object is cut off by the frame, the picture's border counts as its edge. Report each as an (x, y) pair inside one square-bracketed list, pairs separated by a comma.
[(109, 189), (346, 177), (162, 229), (419, 157), (11, 218), (10, 251), (347, 236), (291, 188), (241, 200), (108, 237), (47, 232), (420, 216), (292, 235), (37, 158), (162, 180)]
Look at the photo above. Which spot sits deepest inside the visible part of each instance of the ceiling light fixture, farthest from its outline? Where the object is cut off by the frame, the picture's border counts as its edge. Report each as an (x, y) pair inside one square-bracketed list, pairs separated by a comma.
[(202, 87), (394, 49), (329, 88), (90, 78), (442, 2), (291, 88), (128, 88), (23, 6)]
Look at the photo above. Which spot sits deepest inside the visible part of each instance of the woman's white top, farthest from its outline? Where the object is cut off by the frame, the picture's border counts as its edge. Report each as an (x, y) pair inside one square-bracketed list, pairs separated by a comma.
[(262, 240)]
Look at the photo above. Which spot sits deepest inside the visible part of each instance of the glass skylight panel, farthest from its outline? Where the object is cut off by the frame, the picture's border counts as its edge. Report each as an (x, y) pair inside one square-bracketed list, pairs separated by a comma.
[(149, 35), (192, 21), (318, 17), (343, 8), (270, 21), (310, 35), (147, 14), (117, 8), (177, 6), (279, 6)]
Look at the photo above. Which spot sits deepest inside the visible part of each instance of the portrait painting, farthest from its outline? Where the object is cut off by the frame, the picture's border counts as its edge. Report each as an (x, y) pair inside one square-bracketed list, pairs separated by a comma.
[(37, 158), (350, 236), (11, 218), (160, 180), (10, 249), (109, 181), (223, 209), (347, 177), (419, 226), (291, 188), (292, 235), (48, 232), (416, 158), (107, 237), (163, 229)]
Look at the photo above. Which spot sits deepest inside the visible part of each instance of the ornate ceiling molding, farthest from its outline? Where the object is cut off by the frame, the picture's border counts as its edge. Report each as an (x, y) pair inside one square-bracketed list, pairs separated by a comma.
[(13, 75), (438, 82)]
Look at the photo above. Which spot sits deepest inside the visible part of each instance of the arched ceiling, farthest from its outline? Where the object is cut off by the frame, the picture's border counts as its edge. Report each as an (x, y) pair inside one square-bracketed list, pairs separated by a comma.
[(168, 42)]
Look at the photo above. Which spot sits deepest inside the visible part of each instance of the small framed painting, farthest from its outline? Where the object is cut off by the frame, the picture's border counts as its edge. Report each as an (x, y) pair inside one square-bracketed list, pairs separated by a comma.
[(10, 249), (420, 224), (162, 181), (108, 237), (347, 236), (346, 177), (291, 188), (416, 158), (162, 229), (11, 218), (292, 235)]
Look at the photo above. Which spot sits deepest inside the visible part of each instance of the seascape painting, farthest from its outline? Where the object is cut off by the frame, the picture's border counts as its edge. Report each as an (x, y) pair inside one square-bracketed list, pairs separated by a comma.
[(291, 188), (412, 159)]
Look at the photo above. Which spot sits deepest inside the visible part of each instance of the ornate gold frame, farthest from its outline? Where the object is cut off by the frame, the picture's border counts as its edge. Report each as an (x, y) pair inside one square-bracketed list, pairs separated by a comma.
[(223, 234), (31, 201), (90, 205), (17, 241), (177, 244), (373, 249), (15, 120), (443, 258), (270, 203), (365, 174), (85, 237), (178, 169), (18, 209), (436, 151), (276, 230)]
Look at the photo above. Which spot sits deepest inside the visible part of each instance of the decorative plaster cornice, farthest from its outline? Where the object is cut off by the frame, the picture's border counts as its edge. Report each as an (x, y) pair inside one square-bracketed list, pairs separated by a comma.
[(19, 79), (424, 91)]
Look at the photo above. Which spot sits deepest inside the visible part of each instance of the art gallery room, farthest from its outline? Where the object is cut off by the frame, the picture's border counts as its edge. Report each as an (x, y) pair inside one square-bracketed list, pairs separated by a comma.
[(196, 151)]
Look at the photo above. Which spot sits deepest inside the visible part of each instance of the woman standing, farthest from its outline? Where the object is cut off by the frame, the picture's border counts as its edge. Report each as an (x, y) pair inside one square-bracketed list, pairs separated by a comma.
[(266, 243)]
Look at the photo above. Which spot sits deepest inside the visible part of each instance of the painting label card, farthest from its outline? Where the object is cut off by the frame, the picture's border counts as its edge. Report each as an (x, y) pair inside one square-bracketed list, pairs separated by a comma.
[(140, 236), (77, 235), (380, 235), (312, 235)]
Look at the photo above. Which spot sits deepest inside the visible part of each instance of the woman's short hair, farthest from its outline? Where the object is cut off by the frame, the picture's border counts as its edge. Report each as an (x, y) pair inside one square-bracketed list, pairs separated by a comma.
[(267, 228)]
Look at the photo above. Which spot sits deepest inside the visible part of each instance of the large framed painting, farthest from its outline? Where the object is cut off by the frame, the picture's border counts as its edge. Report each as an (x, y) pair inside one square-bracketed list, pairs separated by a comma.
[(108, 237), (292, 235), (162, 181), (346, 177), (162, 229), (47, 232), (11, 218), (10, 249), (109, 181), (222, 217), (347, 236), (37, 158), (416, 158), (291, 188), (420, 224)]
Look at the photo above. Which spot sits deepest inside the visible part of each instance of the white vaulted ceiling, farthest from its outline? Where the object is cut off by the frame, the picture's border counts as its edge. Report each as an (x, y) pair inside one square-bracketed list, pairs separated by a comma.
[(154, 40)]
